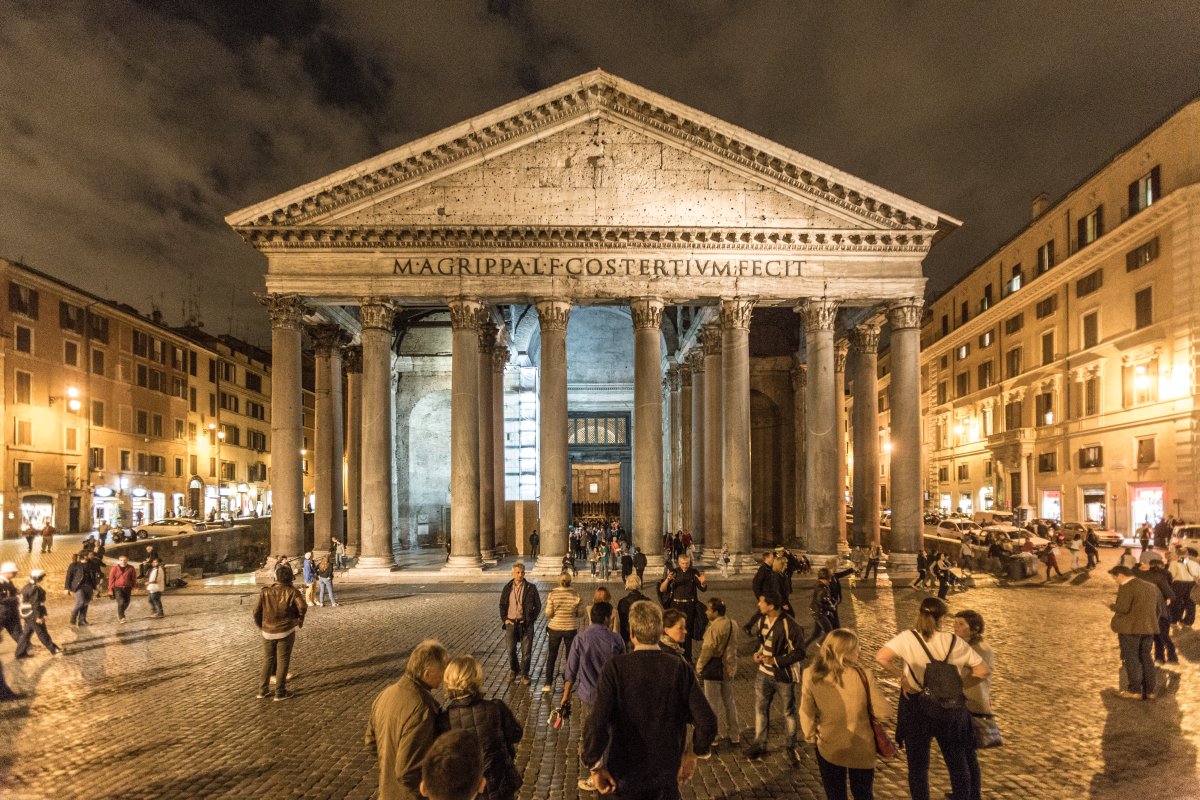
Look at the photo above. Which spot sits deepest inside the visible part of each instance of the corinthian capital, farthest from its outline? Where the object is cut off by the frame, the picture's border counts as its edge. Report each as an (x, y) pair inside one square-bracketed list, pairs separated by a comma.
[(465, 314), (710, 334), (327, 337), (735, 313), (376, 313), (499, 357), (695, 361), (820, 314), (553, 314), (672, 379), (285, 310), (487, 338), (865, 338), (839, 356), (647, 313), (906, 313), (352, 359)]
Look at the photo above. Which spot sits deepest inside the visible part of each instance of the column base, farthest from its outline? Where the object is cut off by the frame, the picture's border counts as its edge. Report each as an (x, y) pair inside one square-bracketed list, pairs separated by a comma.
[(352, 551), (463, 564), (654, 564), (902, 565), (548, 566), (843, 548), (488, 555), (374, 562)]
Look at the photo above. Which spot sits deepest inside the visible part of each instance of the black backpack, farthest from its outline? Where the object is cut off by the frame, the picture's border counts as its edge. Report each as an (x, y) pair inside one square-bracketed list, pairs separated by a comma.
[(941, 697)]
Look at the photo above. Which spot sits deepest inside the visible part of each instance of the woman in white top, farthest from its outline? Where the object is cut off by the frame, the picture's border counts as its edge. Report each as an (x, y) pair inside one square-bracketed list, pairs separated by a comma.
[(968, 626), (906, 657)]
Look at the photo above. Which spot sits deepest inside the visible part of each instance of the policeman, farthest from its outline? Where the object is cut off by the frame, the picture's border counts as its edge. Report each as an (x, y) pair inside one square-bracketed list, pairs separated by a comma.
[(680, 589), (33, 613)]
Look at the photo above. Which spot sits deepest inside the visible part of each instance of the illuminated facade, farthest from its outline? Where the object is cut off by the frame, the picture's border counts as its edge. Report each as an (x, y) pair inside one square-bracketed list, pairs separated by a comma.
[(1060, 375)]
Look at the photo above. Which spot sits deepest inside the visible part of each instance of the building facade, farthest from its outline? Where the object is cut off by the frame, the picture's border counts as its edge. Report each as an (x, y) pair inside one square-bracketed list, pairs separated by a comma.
[(1061, 376)]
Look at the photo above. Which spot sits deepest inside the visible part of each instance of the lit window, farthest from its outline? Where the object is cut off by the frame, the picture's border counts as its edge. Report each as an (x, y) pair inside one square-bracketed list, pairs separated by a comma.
[(1045, 257), (1142, 255), (1144, 191), (1090, 227)]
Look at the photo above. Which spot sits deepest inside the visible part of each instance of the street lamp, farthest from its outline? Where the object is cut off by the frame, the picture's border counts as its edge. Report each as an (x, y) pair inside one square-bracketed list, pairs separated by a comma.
[(72, 398)]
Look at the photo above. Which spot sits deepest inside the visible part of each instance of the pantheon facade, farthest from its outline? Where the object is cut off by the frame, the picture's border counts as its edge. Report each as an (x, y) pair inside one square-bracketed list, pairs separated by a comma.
[(593, 290)]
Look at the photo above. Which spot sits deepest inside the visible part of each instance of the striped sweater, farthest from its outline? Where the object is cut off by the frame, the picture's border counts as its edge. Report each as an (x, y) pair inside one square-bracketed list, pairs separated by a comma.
[(564, 609)]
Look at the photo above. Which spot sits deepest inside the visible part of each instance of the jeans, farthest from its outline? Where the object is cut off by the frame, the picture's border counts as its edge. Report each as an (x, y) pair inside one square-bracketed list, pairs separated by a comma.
[(156, 606), (122, 596), (872, 566), (83, 597), (32, 626), (822, 624), (341, 560), (277, 656), (919, 734), (1093, 557), (325, 585), (834, 779), (1183, 610), (765, 688), (514, 633), (720, 695), (557, 639), (1139, 666)]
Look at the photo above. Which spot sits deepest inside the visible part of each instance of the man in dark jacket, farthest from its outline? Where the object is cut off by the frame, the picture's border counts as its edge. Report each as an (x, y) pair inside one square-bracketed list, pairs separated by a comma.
[(1155, 573), (639, 563), (519, 609), (822, 607), (279, 613), (634, 740), (33, 614), (680, 589), (10, 617), (778, 657), (82, 578), (633, 587), (1135, 621)]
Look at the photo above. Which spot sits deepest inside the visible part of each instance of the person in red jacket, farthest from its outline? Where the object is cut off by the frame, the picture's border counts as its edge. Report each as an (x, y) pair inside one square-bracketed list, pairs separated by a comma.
[(122, 579)]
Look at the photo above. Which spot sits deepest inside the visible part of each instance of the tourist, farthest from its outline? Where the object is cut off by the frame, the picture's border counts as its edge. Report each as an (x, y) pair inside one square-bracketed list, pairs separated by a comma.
[(278, 613), (564, 610), (453, 768), (490, 720), (535, 544), (680, 590), (1091, 547), (592, 650), (568, 563), (634, 738), (594, 560), (403, 722), (716, 666), (822, 608), (835, 586), (639, 564), (941, 572), (1185, 570), (674, 632), (339, 552), (626, 565), (48, 538), (156, 584), (520, 606), (876, 555), (122, 579), (633, 589), (309, 568), (1143, 536), (1156, 574), (10, 616), (603, 595), (30, 535), (33, 614), (920, 720), (280, 563), (1076, 548), (922, 569), (325, 582), (968, 626), (605, 561), (81, 582), (1136, 612), (1051, 561), (837, 704), (780, 651), (1127, 559)]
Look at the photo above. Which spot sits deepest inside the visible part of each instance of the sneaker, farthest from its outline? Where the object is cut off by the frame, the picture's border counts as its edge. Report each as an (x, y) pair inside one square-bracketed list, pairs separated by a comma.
[(525, 681), (322, 605), (58, 652), (122, 620), (262, 695), (1129, 695), (284, 696), (756, 751), (289, 677), (708, 755), (546, 688), (586, 785), (335, 605)]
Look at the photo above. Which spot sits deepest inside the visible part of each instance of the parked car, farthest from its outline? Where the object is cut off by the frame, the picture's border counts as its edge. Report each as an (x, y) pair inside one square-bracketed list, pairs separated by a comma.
[(1051, 524), (169, 526), (1013, 535), (1106, 537), (994, 517), (1187, 535), (954, 528)]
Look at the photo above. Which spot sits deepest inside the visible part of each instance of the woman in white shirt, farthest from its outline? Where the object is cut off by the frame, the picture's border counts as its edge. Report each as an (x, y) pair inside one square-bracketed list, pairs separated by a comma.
[(968, 626), (906, 656)]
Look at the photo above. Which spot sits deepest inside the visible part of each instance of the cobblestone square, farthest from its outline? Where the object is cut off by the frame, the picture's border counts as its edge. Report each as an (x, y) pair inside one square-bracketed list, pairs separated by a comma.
[(165, 707)]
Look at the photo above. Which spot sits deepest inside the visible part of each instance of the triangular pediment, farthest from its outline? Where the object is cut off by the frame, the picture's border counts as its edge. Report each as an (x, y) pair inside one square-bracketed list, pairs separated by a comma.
[(594, 151)]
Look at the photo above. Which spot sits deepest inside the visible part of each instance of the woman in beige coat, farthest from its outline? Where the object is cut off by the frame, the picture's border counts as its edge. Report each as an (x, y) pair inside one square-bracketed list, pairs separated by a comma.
[(833, 716)]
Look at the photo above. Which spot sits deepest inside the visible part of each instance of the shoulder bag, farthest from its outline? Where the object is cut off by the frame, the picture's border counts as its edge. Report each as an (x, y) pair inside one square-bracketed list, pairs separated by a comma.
[(987, 732), (884, 746)]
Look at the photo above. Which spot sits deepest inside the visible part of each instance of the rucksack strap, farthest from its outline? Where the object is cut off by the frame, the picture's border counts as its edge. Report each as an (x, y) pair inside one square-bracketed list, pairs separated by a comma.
[(921, 641)]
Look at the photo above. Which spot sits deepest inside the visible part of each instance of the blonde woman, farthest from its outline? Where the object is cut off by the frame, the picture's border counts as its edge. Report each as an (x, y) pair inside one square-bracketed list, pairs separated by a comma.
[(834, 716), (603, 595), (490, 720), (564, 610)]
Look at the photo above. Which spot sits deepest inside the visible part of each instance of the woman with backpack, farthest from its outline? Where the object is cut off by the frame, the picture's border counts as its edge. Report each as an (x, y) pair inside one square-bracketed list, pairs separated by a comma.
[(929, 664), (491, 720)]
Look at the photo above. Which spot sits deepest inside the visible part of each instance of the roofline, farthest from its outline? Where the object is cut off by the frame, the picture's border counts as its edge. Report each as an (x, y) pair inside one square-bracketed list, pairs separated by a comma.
[(1163, 120)]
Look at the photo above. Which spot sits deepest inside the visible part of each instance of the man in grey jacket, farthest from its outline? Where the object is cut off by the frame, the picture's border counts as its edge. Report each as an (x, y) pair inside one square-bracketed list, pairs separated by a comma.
[(1135, 621)]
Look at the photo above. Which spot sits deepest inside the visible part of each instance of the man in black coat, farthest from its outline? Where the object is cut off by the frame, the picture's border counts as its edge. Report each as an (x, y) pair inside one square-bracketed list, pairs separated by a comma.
[(520, 606), (83, 577), (1155, 573), (680, 590), (639, 563), (633, 585), (10, 617)]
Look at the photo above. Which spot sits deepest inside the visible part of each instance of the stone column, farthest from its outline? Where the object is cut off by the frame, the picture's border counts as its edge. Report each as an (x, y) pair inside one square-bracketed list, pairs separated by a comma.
[(647, 428), (699, 432), (352, 363), (685, 448), (464, 434), (287, 489), (820, 511), (839, 406), (377, 316), (735, 368), (553, 316), (865, 342), (904, 316), (487, 444), (673, 450), (499, 360), (714, 437), (327, 519), (800, 435)]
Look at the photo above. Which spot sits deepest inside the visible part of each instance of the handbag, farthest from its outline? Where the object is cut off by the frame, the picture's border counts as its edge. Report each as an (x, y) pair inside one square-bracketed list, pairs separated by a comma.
[(884, 746), (987, 732)]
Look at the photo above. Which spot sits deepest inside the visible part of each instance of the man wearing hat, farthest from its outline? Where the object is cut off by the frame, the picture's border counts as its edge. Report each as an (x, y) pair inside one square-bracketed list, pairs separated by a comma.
[(33, 612), (10, 619), (279, 613)]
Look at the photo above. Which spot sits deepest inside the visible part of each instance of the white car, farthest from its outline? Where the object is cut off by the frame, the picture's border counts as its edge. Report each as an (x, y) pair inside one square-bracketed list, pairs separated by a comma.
[(1187, 535), (169, 526), (955, 527), (1106, 537), (1015, 535)]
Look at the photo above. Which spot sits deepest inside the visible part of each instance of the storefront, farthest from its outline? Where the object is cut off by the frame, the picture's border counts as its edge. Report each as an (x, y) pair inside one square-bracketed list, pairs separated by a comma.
[(1051, 506), (106, 506), (985, 499), (37, 511), (1146, 501), (1095, 504)]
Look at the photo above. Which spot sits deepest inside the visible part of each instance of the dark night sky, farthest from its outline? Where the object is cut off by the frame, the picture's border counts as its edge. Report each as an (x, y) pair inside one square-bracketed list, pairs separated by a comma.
[(128, 130)]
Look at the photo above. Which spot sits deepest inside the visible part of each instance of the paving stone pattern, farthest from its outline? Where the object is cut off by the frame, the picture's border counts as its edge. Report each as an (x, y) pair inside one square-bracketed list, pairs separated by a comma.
[(162, 708)]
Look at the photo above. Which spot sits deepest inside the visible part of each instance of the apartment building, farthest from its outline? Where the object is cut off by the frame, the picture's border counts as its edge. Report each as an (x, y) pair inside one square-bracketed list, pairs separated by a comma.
[(1061, 376)]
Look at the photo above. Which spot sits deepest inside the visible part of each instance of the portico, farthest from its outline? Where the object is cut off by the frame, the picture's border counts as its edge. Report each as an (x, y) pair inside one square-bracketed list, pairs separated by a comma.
[(592, 193)]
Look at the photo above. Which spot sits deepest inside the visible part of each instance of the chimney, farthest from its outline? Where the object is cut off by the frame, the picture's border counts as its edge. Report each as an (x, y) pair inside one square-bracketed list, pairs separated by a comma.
[(1040, 204)]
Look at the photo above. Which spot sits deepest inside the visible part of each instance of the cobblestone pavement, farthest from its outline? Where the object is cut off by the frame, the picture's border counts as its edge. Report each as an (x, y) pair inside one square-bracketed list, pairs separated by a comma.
[(162, 708)]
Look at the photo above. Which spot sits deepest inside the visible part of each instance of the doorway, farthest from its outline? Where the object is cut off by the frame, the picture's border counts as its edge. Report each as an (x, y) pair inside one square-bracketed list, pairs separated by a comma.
[(1147, 504), (1095, 506), (596, 492)]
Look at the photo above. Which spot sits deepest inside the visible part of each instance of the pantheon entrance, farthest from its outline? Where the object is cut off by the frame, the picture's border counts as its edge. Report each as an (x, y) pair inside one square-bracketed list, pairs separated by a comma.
[(504, 234)]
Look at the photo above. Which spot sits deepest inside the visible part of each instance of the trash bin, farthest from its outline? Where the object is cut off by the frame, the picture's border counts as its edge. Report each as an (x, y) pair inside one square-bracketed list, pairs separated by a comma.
[(1016, 569)]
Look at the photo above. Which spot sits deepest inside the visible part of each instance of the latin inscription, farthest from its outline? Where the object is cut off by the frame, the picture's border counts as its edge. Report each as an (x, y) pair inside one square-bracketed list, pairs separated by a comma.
[(552, 267)]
